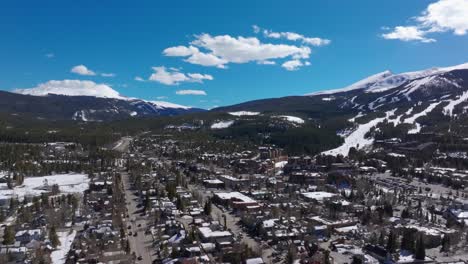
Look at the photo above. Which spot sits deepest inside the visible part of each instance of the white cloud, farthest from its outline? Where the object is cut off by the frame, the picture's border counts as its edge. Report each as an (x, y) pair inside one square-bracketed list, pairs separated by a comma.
[(266, 62), (139, 79), (441, 16), (174, 77), (191, 92), (180, 51), (292, 36), (161, 97), (50, 55), (82, 70), (410, 33), (293, 65), (71, 88), (108, 74), (218, 51)]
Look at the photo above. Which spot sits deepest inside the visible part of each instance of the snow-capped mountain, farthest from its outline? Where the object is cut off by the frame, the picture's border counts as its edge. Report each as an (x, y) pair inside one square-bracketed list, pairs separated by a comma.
[(72, 88), (83, 101), (386, 80), (434, 100)]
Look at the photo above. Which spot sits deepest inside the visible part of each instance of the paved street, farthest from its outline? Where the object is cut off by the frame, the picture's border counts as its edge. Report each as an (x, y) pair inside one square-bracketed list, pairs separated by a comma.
[(140, 244)]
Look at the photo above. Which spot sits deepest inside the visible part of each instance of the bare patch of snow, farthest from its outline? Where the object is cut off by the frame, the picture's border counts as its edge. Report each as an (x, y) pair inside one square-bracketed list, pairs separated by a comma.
[(448, 109), (244, 113), (66, 238), (412, 119), (357, 137), (34, 186), (222, 124), (293, 119)]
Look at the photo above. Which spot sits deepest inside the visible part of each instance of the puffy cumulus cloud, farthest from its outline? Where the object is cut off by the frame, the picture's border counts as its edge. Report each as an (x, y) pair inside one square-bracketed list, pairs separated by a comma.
[(191, 92), (441, 16), (293, 65), (292, 36), (410, 33), (174, 77), (71, 88), (446, 15), (82, 70), (219, 51)]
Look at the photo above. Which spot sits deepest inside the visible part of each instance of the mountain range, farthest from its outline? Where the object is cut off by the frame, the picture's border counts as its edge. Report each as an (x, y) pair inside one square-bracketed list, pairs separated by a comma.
[(379, 106)]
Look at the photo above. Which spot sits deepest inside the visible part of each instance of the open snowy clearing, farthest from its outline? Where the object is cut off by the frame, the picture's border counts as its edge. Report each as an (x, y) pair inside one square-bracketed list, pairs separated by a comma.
[(222, 124), (34, 186), (66, 238), (244, 113), (292, 119)]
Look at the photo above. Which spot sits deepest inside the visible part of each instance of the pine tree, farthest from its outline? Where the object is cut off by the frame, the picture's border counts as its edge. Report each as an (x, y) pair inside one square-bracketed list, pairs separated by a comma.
[(445, 244), (53, 237), (8, 236), (391, 242), (207, 208), (420, 251)]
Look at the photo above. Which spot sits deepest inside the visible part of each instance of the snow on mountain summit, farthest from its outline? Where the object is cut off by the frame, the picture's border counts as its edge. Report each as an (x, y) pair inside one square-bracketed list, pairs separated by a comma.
[(71, 88), (386, 80), (88, 88)]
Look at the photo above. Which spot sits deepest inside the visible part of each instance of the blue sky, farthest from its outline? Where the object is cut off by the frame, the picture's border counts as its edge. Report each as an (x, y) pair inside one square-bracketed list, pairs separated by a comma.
[(44, 40)]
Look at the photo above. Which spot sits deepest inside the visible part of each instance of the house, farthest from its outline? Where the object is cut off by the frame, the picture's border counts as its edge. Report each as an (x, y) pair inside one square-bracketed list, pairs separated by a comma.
[(26, 236)]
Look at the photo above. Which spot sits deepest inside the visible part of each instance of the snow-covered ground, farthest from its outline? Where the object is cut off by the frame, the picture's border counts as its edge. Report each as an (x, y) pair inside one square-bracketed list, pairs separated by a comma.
[(412, 119), (293, 119), (244, 113), (281, 164), (222, 124), (34, 186), (448, 109), (356, 138), (66, 239)]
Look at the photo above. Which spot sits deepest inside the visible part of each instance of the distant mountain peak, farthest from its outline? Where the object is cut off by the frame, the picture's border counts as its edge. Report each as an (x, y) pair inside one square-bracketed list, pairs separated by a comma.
[(386, 80), (72, 88)]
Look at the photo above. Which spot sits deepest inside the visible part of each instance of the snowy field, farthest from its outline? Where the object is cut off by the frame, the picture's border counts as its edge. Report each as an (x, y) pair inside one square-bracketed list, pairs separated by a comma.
[(292, 119), (244, 113), (34, 186), (222, 124), (66, 239)]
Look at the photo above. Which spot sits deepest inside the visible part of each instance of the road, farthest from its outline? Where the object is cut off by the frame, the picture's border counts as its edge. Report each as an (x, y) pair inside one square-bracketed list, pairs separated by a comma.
[(123, 144), (140, 244)]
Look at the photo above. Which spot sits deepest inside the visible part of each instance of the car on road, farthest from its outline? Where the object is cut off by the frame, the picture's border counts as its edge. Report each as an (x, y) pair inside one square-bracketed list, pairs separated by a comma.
[(129, 227), (135, 234), (140, 258), (139, 225), (130, 233)]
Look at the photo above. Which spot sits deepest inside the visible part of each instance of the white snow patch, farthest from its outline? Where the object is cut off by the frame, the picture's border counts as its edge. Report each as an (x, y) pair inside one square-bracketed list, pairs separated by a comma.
[(356, 117), (357, 137), (244, 113), (66, 238), (133, 113), (412, 119), (222, 124), (281, 164), (34, 186), (293, 119), (448, 109), (163, 105)]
